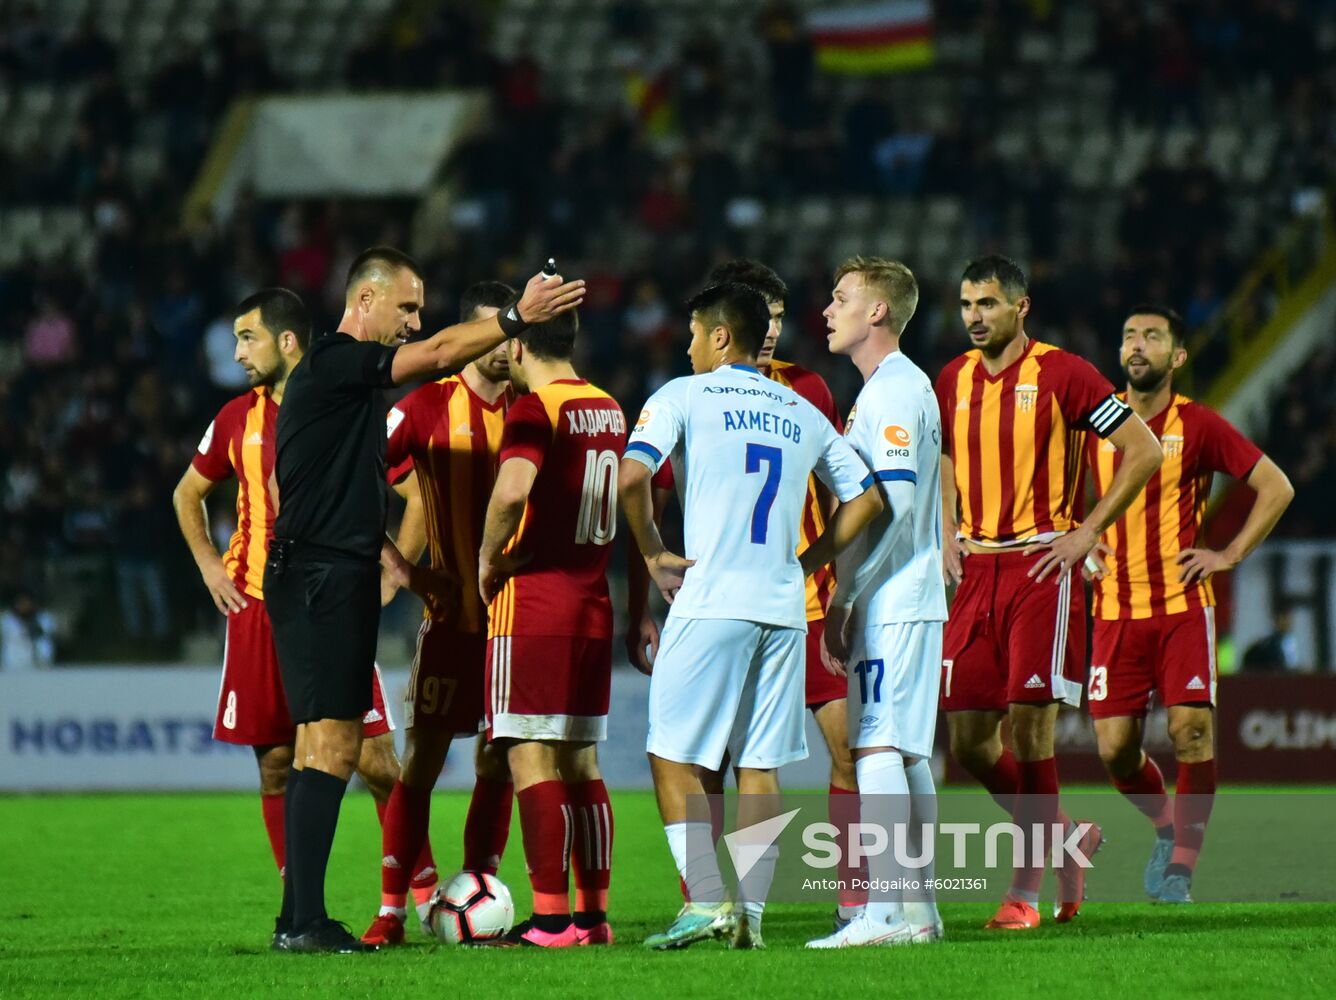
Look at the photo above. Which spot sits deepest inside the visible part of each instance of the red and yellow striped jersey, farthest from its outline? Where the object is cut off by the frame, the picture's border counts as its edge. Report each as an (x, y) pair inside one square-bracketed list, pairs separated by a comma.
[(241, 442), (1166, 516), (1016, 439), (574, 433), (452, 438), (812, 387)]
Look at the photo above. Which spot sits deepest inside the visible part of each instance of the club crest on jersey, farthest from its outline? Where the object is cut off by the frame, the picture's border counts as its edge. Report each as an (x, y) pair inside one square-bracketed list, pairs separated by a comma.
[(1026, 397), (1172, 444), (849, 423)]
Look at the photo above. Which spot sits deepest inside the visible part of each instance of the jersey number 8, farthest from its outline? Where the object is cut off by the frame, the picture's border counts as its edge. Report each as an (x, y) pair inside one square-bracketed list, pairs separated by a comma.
[(597, 522)]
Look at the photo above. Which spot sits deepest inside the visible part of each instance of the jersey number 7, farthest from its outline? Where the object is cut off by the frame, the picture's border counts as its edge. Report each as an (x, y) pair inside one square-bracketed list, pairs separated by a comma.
[(774, 464)]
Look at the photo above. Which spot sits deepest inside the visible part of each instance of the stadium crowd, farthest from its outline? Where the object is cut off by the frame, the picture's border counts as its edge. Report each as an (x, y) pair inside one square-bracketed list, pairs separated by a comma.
[(110, 368)]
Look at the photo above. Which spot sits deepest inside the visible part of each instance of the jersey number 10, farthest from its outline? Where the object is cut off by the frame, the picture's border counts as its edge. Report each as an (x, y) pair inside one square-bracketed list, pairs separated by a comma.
[(597, 522)]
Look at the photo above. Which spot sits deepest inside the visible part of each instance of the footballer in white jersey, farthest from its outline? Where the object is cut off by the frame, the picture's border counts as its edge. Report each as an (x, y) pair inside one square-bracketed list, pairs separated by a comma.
[(884, 625), (730, 668), (891, 576)]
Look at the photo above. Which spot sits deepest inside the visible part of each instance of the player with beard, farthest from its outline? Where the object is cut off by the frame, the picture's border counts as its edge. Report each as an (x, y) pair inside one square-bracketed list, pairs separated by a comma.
[(272, 332), (1014, 416), (1154, 608)]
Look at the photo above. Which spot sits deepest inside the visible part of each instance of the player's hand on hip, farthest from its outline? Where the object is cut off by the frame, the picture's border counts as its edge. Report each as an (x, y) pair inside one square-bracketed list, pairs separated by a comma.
[(226, 598), (953, 560), (545, 297), (1095, 568), (668, 570), (642, 644), (1061, 554), (1196, 565), (439, 589), (492, 576)]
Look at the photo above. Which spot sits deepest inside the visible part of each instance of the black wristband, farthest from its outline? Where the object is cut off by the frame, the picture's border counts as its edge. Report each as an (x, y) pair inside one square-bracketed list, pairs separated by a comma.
[(509, 318)]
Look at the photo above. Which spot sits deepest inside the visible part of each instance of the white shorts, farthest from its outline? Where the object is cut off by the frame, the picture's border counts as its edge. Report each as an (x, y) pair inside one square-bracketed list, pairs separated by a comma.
[(895, 676), (720, 684)]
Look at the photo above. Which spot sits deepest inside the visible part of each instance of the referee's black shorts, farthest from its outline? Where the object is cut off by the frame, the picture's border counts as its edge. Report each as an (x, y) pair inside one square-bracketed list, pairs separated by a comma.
[(325, 610)]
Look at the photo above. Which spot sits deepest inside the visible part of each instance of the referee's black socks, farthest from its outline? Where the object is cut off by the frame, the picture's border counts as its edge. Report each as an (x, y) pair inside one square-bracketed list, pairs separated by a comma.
[(313, 818), (289, 795)]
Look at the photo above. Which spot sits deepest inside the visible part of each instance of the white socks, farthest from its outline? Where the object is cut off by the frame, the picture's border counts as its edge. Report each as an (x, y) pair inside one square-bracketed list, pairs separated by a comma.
[(693, 853), (923, 808), (884, 793)]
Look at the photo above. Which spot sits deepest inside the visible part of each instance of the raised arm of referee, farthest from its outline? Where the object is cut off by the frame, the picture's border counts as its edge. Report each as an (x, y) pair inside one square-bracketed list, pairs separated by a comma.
[(322, 575)]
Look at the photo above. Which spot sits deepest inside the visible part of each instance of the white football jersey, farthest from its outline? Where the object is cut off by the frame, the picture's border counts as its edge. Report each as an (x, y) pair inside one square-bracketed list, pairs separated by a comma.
[(894, 572), (742, 447)]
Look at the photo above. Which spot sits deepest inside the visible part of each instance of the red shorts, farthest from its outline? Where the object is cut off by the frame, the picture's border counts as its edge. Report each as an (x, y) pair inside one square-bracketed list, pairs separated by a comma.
[(1171, 654), (252, 708), (1010, 639), (445, 688), (548, 687), (822, 686)]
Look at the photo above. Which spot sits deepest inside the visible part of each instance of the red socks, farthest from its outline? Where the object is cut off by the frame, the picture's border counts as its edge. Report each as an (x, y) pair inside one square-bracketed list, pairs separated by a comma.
[(404, 820), (1145, 790), (1003, 781), (487, 827), (842, 807), (591, 851), (1193, 798), (1036, 803), (271, 806), (547, 826)]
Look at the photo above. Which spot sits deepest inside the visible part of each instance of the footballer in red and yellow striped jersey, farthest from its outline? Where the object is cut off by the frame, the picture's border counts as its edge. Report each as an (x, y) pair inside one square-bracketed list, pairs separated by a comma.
[(272, 332), (1154, 604), (1014, 415), (442, 447), (448, 433), (240, 441), (542, 571)]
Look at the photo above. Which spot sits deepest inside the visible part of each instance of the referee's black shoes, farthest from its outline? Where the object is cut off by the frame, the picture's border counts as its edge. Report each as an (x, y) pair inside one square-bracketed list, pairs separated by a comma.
[(279, 942), (329, 936)]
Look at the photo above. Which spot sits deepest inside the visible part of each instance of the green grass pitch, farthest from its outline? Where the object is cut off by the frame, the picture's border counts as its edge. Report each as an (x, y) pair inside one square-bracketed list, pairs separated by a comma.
[(174, 895)]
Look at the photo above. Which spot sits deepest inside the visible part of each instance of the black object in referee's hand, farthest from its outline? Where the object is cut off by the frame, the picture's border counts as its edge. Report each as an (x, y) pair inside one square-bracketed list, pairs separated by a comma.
[(550, 268)]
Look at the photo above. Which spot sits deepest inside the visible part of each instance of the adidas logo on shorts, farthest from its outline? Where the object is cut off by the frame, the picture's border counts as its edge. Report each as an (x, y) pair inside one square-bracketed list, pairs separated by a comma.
[(1035, 681), (1196, 685)]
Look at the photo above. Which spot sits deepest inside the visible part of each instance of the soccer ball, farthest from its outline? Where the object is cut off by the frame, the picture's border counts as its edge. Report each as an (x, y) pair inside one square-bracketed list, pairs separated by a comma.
[(472, 908)]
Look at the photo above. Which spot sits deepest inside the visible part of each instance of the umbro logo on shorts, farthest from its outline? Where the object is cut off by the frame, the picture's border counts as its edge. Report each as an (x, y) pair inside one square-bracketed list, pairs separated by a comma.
[(867, 722), (1196, 685), (1035, 681)]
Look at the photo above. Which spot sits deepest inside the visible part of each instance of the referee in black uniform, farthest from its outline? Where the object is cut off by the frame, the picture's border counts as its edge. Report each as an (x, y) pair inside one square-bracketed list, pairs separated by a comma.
[(322, 577)]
